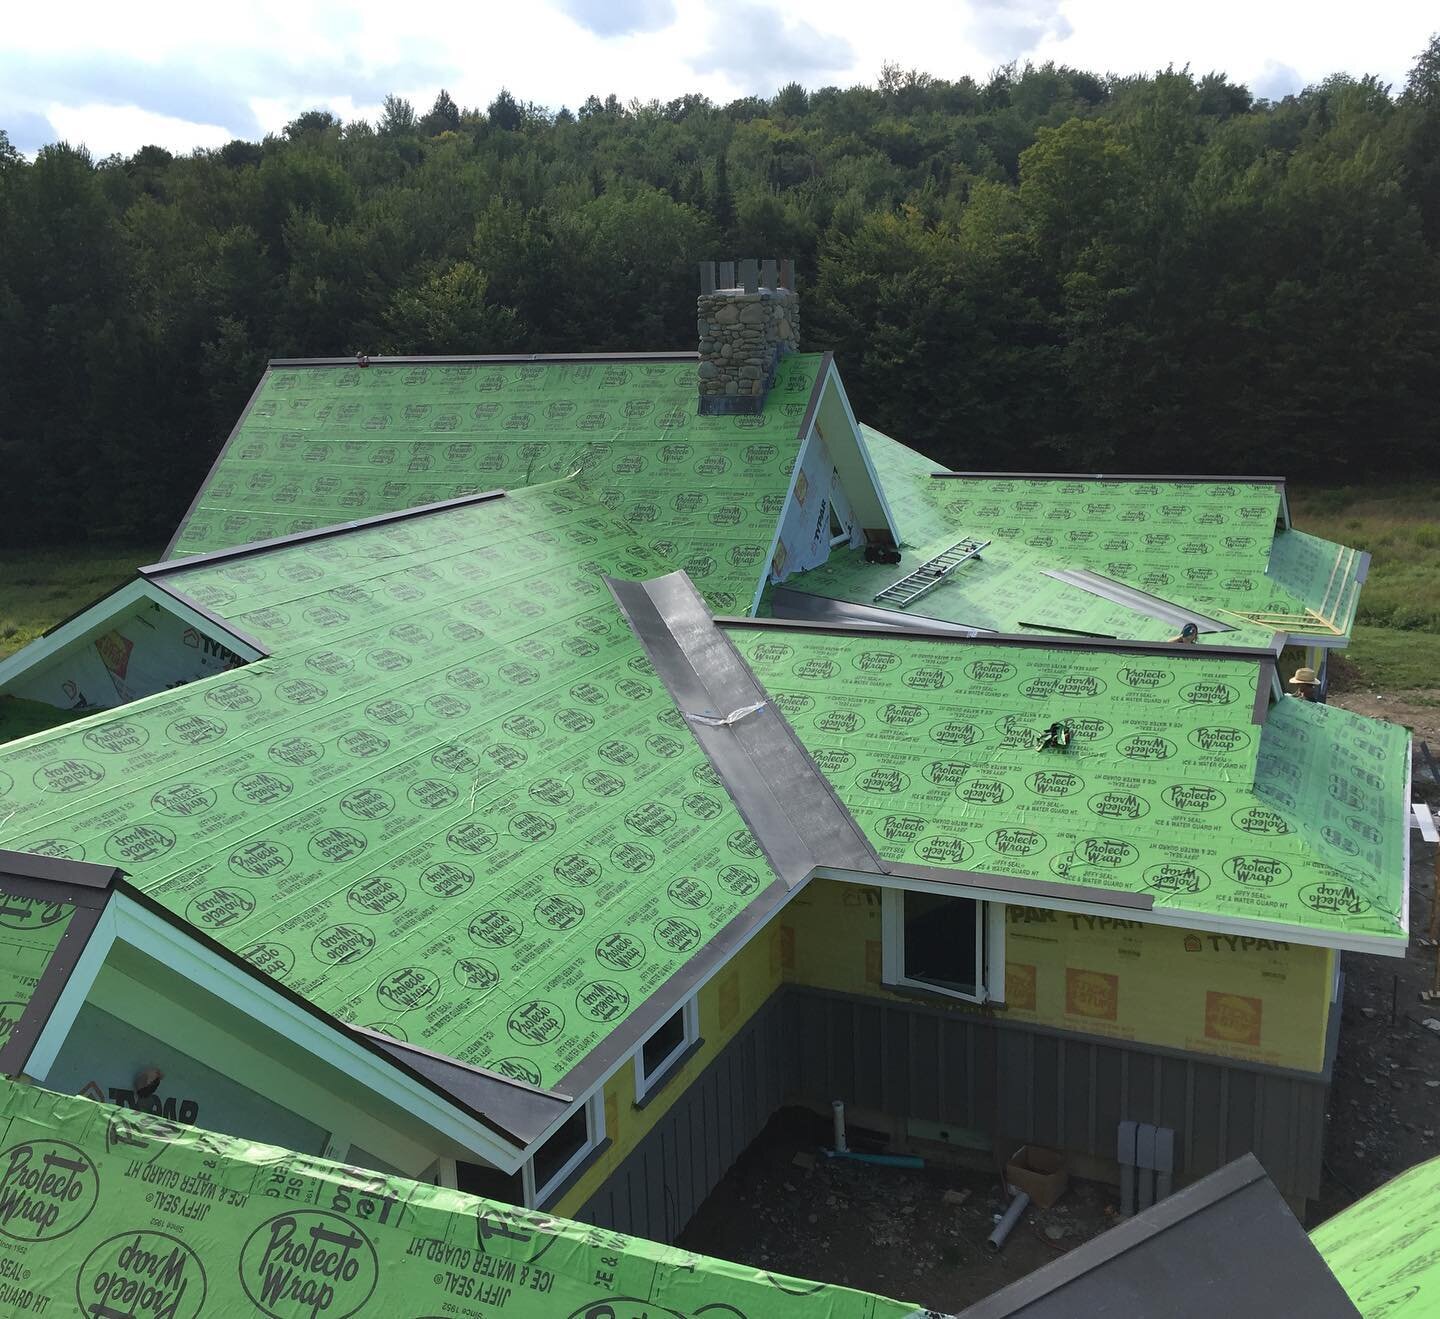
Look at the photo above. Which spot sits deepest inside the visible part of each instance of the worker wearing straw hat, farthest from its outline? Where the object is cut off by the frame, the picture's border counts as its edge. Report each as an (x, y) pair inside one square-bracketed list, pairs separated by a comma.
[(1306, 683)]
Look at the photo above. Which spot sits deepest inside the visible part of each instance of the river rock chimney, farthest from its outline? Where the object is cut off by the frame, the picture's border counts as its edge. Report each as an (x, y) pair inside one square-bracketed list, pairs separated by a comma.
[(746, 325)]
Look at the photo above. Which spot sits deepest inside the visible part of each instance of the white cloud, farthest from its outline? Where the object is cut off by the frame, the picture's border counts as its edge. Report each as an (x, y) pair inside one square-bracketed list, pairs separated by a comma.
[(1276, 81), (617, 18), (176, 72), (107, 129), (760, 49), (1011, 29)]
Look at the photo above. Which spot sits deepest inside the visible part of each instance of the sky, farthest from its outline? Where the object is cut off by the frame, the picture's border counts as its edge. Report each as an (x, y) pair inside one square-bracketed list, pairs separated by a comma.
[(184, 75)]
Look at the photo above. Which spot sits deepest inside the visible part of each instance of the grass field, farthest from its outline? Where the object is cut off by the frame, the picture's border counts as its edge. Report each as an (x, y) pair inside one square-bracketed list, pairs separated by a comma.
[(40, 587), (1396, 642)]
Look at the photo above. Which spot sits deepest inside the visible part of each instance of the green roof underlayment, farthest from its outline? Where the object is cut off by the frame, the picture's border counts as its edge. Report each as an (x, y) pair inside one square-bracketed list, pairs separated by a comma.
[(30, 932), (1383, 1248), (1218, 548), (107, 1211), (1167, 788), (1005, 588), (320, 444), (454, 805)]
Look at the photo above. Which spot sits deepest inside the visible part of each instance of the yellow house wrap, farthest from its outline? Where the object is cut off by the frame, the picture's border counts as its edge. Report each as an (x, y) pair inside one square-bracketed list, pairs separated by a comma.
[(1260, 1000)]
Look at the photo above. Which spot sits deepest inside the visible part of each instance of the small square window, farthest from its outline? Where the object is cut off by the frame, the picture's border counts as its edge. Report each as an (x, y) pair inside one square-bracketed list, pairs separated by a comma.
[(668, 1040), (664, 1048), (554, 1158)]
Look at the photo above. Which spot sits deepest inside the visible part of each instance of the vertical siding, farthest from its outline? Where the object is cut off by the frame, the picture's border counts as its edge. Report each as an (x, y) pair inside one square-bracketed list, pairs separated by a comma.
[(914, 1061), (1054, 1089), (664, 1179)]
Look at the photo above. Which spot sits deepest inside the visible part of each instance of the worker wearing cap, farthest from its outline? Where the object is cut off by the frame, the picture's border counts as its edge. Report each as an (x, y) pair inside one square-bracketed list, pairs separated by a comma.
[(1306, 683)]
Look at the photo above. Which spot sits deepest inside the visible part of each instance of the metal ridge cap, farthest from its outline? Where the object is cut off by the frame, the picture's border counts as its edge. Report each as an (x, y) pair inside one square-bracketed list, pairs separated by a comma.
[(165, 566)]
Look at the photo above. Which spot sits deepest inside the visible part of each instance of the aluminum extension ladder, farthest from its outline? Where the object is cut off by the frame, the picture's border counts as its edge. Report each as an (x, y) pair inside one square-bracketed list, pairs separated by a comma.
[(929, 574)]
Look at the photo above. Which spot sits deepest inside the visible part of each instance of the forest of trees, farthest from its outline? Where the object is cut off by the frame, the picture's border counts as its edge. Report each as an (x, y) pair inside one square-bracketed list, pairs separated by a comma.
[(1048, 269)]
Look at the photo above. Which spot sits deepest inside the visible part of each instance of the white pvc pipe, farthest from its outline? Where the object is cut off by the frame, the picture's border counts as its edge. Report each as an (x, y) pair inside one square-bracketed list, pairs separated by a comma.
[(1012, 1216), (837, 1109)]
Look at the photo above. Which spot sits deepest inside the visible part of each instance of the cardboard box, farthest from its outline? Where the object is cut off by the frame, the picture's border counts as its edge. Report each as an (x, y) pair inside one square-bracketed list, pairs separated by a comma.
[(1039, 1172)]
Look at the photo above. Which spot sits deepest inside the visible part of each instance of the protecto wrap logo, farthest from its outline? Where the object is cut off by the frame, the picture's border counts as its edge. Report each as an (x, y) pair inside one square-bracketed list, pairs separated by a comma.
[(308, 1263), (47, 1189), (141, 1273)]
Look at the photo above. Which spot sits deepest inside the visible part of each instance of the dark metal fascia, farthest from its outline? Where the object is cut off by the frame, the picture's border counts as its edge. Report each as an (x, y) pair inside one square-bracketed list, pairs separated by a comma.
[(1114, 645), (602, 1059), (817, 392), (87, 889), (153, 570), (58, 969), (404, 1046), (221, 625), (1160, 478), (84, 609), (1035, 888), (215, 466), (493, 359), (1264, 685), (58, 870)]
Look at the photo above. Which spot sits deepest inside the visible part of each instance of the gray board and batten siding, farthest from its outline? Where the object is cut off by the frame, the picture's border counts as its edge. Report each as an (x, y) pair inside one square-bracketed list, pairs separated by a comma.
[(914, 1061)]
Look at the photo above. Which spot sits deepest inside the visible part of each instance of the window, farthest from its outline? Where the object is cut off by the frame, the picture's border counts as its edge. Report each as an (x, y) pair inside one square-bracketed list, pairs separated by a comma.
[(839, 535), (490, 1183), (566, 1149), (664, 1048), (945, 943)]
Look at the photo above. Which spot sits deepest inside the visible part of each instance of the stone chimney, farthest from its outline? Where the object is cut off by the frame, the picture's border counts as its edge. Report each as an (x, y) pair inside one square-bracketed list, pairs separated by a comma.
[(746, 326)]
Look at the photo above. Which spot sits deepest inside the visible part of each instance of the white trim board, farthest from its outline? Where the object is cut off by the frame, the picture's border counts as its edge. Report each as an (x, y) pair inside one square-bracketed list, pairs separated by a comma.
[(156, 938), (132, 601), (1178, 920)]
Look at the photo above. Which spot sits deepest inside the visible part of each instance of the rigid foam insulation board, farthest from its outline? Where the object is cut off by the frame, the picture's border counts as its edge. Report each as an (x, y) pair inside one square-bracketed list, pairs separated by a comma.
[(1264, 1001)]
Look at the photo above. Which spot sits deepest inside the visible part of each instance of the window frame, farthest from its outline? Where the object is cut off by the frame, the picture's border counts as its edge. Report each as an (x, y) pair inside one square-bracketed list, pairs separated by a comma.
[(536, 1195), (989, 948), (648, 1083)]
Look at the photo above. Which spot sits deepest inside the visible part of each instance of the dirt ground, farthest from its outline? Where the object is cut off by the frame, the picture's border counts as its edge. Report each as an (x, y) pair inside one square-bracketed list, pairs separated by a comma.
[(886, 1230), (903, 1234), (1385, 1100), (1417, 710)]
